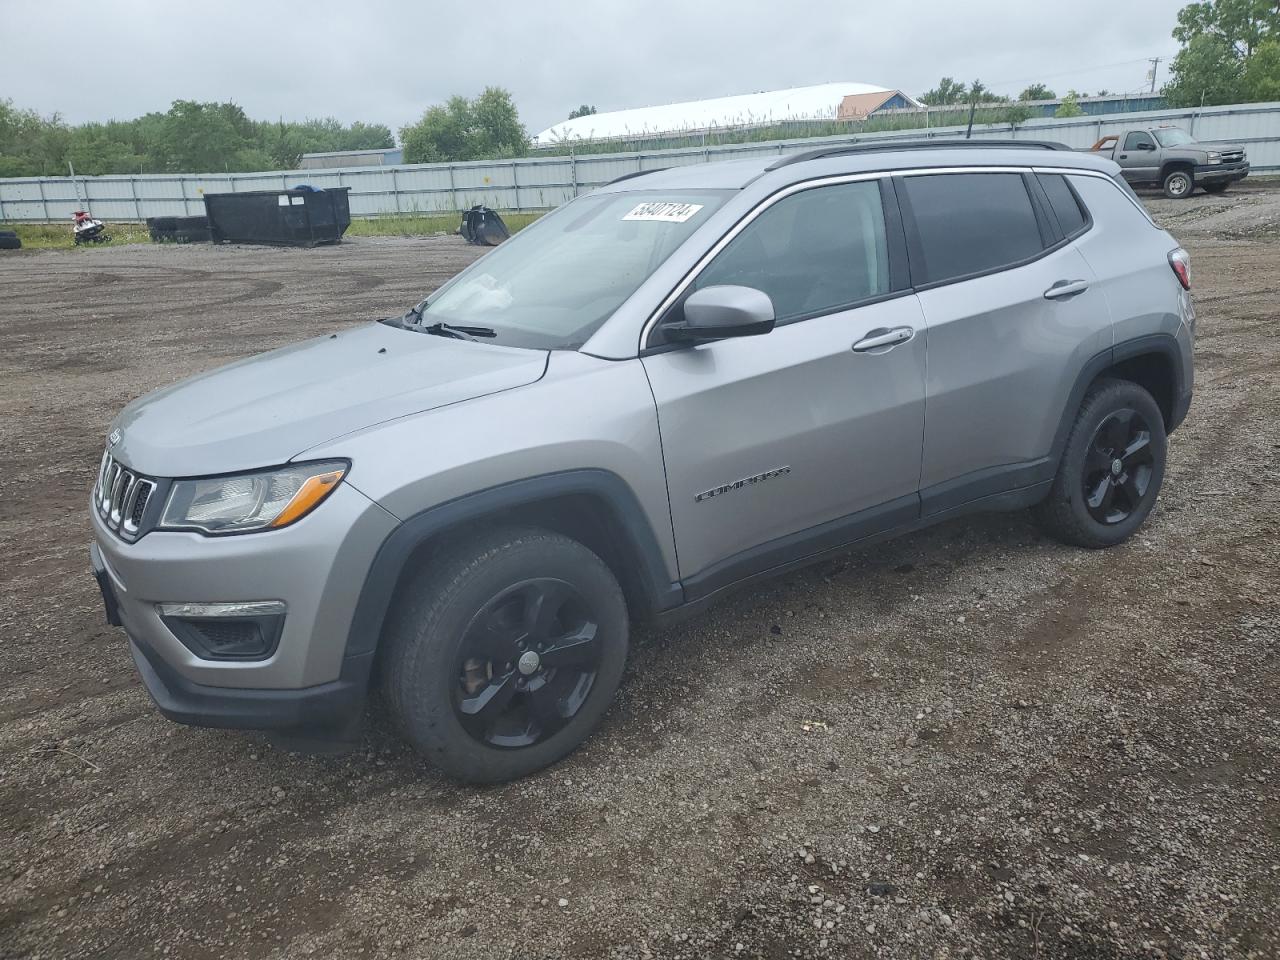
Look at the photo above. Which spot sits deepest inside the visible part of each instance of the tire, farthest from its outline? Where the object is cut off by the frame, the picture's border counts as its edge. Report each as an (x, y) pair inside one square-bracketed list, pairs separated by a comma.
[(1115, 414), (463, 680), (1216, 187), (1178, 184)]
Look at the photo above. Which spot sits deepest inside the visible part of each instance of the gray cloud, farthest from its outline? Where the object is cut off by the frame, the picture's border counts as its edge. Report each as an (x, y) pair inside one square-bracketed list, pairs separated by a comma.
[(387, 61)]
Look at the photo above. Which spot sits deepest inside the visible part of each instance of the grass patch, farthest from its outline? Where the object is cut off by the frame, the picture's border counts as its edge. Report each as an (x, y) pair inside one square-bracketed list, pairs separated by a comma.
[(426, 224), (58, 236)]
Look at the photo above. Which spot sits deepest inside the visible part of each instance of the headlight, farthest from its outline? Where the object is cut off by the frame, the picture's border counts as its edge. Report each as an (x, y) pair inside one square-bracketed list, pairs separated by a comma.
[(265, 500), (1215, 157)]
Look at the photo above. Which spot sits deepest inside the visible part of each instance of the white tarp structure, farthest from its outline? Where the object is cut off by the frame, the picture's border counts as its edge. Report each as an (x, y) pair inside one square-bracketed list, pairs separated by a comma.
[(820, 102)]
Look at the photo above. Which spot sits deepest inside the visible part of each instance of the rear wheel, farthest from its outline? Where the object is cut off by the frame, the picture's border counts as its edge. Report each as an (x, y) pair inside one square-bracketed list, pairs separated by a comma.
[(505, 652), (1178, 184), (1216, 187), (1111, 469)]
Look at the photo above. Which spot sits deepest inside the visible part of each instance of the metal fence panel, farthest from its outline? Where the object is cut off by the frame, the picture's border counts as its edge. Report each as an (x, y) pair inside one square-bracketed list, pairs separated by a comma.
[(546, 181)]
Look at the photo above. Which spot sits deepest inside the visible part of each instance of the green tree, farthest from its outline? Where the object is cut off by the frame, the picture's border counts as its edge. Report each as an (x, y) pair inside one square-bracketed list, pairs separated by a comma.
[(585, 110), (443, 133), (1016, 114), (482, 129), (1261, 80), (1070, 106), (1207, 70), (1037, 91), (946, 93), (190, 137), (204, 137), (1228, 53), (1241, 24)]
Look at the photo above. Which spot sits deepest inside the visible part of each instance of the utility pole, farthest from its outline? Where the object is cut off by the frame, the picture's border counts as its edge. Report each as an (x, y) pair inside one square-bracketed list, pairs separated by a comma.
[(1155, 64)]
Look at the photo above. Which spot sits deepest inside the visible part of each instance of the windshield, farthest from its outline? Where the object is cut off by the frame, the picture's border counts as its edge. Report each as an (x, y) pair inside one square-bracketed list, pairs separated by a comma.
[(1173, 137), (553, 284)]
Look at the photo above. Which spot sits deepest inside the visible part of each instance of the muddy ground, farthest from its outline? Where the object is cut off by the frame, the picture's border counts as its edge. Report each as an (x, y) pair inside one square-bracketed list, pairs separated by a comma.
[(972, 741)]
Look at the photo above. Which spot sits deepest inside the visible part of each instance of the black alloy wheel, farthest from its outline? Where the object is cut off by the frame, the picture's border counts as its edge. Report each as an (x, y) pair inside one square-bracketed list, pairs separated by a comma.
[(1111, 469), (526, 663), (503, 652), (1118, 467)]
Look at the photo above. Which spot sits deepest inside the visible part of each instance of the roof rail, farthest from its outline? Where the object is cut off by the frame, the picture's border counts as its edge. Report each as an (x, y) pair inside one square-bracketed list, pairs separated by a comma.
[(635, 173), (889, 146)]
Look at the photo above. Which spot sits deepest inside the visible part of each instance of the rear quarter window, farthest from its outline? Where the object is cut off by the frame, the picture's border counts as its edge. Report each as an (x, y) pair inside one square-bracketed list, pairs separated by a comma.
[(1064, 203), (970, 223)]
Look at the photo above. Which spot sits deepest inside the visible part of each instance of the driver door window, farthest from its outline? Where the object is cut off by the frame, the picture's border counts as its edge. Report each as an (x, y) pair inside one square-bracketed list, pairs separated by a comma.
[(1139, 141), (814, 252)]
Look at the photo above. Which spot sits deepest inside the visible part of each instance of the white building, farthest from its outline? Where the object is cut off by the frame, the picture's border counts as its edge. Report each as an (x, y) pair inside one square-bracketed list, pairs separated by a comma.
[(826, 101)]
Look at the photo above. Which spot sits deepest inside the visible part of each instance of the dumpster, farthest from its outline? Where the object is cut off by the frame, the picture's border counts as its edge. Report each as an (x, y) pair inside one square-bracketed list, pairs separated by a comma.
[(301, 217)]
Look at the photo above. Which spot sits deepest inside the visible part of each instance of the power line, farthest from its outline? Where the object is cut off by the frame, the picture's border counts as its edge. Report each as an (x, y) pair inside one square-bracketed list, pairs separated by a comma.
[(1074, 72)]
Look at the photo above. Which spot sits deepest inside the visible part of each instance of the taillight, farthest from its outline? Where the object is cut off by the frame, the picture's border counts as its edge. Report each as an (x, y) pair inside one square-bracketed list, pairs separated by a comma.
[(1180, 260)]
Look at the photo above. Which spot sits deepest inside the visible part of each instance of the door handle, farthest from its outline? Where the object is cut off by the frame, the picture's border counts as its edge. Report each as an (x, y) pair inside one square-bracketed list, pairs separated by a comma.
[(1066, 288), (884, 338)]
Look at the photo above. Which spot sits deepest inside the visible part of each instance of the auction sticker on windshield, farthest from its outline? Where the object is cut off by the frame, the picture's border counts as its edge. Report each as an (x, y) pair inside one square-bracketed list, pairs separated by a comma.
[(667, 211)]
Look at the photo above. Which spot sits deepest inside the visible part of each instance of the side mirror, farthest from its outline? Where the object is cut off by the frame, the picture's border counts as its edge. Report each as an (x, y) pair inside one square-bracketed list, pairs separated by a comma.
[(1146, 146), (715, 313)]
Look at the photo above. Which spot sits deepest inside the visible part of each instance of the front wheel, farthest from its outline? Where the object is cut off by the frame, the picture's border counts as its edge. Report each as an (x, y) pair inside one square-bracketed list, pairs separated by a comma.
[(1111, 468), (1178, 184), (504, 653)]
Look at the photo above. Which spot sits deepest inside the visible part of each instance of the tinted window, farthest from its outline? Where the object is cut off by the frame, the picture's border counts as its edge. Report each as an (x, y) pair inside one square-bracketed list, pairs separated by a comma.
[(1136, 141), (971, 222), (1065, 206), (812, 252)]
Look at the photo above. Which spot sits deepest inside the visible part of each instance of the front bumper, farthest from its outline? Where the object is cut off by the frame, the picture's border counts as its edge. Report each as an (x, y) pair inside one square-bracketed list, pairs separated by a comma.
[(332, 707), (316, 567), (1219, 172)]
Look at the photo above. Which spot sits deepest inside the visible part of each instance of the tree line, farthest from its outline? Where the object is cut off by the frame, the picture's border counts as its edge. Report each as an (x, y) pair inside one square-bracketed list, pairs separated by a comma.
[(190, 137)]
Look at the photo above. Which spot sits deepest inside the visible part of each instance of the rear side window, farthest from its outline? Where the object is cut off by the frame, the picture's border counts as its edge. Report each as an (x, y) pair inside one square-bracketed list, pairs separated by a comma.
[(1066, 207), (970, 223), (813, 252)]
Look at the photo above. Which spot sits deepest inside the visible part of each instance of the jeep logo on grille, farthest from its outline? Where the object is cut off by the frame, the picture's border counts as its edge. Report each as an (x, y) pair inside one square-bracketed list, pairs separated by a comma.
[(113, 438)]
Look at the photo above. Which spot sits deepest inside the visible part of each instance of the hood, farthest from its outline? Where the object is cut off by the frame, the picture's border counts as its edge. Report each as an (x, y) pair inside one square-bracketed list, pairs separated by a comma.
[(267, 409)]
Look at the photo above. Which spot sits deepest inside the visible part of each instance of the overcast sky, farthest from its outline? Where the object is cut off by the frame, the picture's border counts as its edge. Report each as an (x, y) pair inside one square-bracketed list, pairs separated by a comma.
[(387, 61)]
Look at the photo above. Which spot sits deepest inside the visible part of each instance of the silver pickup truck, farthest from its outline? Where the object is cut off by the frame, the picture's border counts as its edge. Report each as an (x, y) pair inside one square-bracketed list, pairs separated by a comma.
[(1172, 159)]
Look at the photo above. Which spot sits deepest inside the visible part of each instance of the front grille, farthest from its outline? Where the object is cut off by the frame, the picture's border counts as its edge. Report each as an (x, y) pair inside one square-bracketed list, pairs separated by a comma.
[(120, 497), (1233, 157)]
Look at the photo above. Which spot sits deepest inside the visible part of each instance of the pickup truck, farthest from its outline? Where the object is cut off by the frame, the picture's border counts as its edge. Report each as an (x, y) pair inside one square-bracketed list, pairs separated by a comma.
[(1171, 158)]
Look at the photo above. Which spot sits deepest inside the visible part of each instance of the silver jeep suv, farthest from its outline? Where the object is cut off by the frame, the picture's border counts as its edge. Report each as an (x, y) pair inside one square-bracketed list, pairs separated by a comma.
[(682, 382)]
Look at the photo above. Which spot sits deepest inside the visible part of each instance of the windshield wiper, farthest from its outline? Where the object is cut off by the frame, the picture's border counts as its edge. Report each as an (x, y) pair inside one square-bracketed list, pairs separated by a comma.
[(412, 320), (442, 329)]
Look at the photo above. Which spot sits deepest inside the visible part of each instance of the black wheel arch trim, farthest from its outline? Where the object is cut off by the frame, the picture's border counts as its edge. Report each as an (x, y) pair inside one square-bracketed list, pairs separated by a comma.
[(641, 546), (1164, 344)]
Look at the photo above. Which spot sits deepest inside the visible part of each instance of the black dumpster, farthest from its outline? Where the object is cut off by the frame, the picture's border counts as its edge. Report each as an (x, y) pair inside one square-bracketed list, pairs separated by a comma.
[(300, 217)]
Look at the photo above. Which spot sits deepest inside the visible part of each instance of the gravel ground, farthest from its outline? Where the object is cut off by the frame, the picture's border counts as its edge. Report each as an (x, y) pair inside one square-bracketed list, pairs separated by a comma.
[(969, 742)]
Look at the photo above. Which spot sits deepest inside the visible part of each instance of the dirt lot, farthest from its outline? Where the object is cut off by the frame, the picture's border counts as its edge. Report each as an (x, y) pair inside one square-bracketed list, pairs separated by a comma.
[(972, 741)]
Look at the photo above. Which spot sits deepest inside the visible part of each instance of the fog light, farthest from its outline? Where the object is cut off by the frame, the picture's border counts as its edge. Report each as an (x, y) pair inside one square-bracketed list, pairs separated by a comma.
[(226, 631)]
